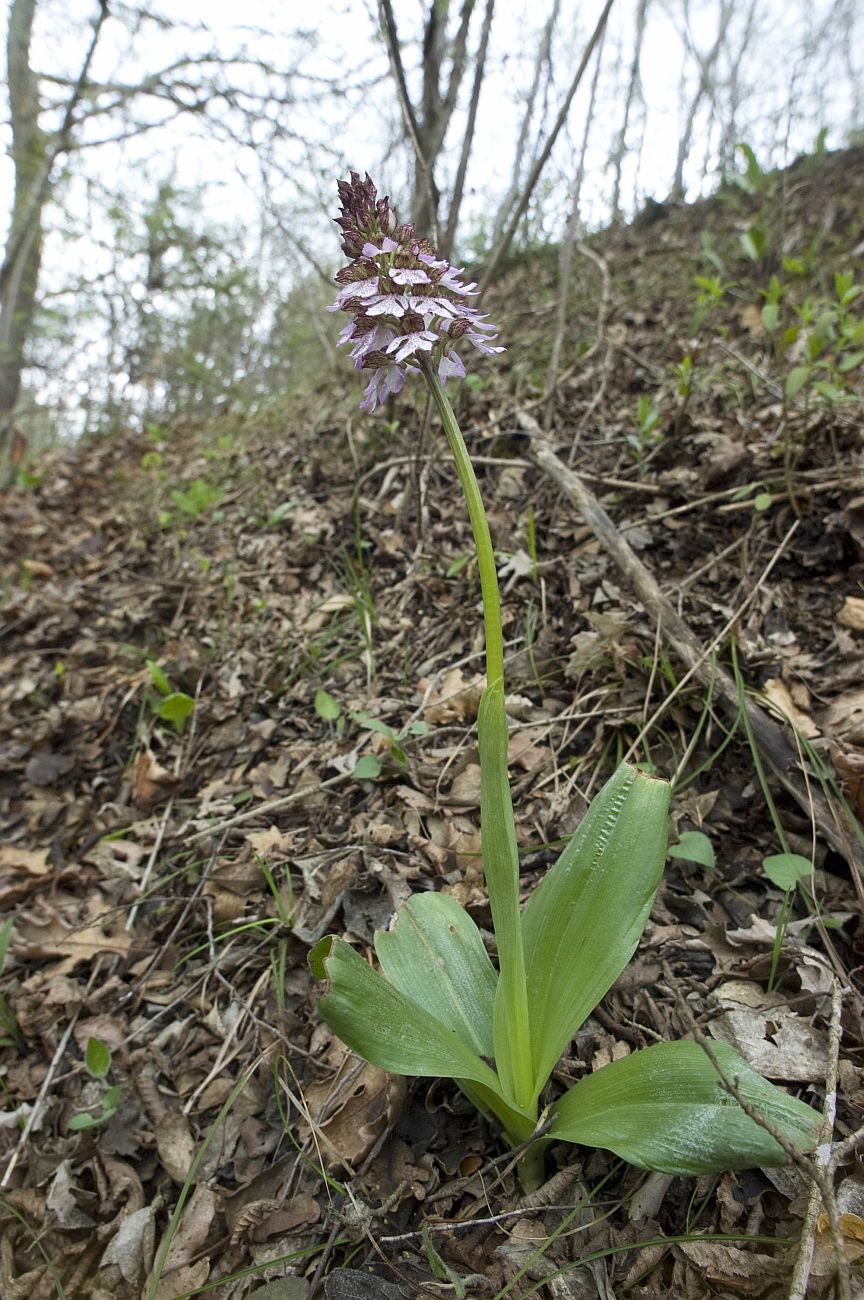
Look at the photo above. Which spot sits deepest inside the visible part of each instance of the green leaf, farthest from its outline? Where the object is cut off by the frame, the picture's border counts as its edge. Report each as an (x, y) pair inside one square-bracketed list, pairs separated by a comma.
[(785, 869), (795, 381), (585, 918), (762, 501), (367, 768), (754, 242), (795, 265), (457, 565), (511, 1032), (5, 934), (97, 1058), (694, 846), (374, 724), (78, 1123), (111, 1099), (850, 362), (158, 678), (175, 708), (326, 706), (770, 317), (665, 1108), (435, 955), (384, 1026), (831, 391)]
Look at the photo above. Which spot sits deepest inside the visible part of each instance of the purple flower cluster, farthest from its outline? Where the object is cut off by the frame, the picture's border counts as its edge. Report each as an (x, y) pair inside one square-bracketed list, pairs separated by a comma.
[(403, 299)]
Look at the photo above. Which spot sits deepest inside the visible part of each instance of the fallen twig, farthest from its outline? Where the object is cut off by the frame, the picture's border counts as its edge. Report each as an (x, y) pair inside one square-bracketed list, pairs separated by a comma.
[(833, 822)]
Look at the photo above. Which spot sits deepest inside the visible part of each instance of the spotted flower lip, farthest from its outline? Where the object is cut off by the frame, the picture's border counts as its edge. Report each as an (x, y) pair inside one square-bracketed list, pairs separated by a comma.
[(405, 301)]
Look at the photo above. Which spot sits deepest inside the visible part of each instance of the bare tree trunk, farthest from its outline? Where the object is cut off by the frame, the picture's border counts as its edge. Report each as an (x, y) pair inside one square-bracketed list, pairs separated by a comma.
[(468, 140), (506, 239), (33, 158), (29, 149), (543, 51), (427, 130), (704, 87), (566, 262), (634, 89), (730, 133)]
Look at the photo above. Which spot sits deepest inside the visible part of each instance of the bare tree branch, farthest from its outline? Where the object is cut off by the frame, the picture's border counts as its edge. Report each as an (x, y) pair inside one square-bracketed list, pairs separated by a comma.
[(507, 238), (412, 127), (61, 144), (512, 194), (468, 139)]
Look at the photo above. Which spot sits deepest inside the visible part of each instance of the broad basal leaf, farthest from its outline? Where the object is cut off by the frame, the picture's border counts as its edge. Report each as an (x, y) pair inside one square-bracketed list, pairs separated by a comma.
[(385, 1027), (665, 1108), (584, 920), (435, 956)]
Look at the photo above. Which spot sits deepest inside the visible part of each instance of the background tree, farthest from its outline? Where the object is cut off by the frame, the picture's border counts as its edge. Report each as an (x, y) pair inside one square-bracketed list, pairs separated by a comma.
[(34, 156), (426, 124)]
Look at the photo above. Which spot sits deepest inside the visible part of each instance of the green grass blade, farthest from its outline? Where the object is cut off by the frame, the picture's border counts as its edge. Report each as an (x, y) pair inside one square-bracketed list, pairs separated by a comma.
[(435, 956), (585, 918), (385, 1027), (665, 1108), (501, 864)]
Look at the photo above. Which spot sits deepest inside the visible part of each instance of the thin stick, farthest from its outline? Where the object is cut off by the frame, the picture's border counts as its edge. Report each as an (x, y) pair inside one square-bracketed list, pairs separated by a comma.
[(834, 824), (824, 1154), (507, 238), (268, 806)]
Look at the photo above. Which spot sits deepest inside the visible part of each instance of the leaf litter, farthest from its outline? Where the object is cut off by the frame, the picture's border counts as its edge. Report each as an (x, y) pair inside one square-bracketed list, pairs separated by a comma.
[(166, 872)]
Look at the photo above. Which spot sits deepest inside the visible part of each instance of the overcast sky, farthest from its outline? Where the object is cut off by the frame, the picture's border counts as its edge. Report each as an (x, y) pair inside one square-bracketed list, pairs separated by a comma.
[(343, 38), (794, 76)]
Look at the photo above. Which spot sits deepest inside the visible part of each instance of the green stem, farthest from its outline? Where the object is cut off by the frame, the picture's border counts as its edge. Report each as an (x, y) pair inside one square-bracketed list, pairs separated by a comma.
[(510, 1025), (479, 526)]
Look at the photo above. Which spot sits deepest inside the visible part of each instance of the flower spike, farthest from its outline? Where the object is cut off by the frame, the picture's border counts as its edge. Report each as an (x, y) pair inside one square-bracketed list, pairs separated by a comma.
[(403, 298)]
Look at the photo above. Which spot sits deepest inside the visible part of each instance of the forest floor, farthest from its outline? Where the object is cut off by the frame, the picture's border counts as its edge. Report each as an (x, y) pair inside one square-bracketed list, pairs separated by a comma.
[(240, 666)]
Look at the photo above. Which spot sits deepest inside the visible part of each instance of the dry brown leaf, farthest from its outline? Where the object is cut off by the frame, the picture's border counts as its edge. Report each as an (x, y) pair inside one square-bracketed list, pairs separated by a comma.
[(524, 752), (45, 931), (270, 841), (465, 789), (175, 1144), (849, 766), (844, 717), (455, 701), (183, 1281), (132, 1246), (349, 1111), (783, 700), (33, 861), (748, 1272), (851, 613), (196, 1223), (151, 782), (775, 1040)]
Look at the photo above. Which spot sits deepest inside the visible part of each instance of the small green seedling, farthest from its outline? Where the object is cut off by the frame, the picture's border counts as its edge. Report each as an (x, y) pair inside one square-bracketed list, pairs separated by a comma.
[(196, 499), (648, 417), (694, 846), (9, 1031), (170, 705), (369, 766), (97, 1063), (439, 1007), (785, 870), (326, 707)]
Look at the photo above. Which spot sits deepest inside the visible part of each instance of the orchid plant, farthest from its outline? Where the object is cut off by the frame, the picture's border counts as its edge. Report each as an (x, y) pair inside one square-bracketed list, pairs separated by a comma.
[(440, 1007)]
